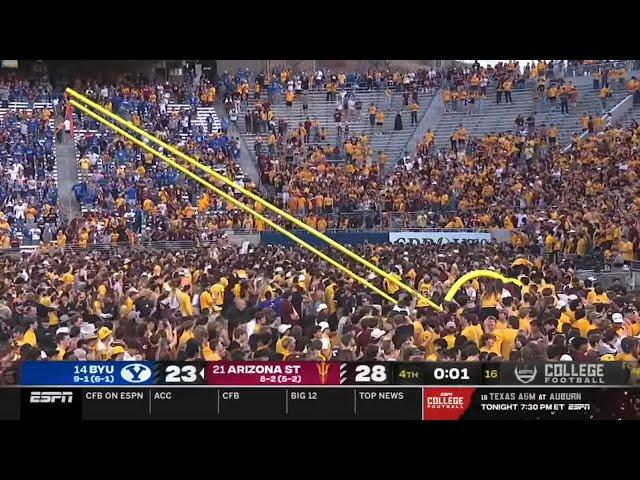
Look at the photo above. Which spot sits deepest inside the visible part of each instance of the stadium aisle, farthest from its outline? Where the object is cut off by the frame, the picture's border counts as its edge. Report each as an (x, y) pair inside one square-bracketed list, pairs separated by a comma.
[(67, 178), (245, 161)]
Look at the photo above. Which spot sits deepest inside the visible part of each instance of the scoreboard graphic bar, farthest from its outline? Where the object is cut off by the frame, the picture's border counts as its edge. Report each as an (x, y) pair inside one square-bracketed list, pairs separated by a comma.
[(326, 373), (322, 391)]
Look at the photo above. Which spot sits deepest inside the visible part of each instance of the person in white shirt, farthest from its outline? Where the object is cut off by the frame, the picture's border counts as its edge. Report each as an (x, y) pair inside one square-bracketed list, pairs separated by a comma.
[(233, 120), (319, 76), (19, 209), (67, 130), (35, 233)]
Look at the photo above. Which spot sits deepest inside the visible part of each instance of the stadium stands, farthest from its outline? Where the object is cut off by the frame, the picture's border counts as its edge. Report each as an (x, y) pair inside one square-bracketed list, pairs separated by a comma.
[(29, 172), (391, 142), (109, 298), (498, 118)]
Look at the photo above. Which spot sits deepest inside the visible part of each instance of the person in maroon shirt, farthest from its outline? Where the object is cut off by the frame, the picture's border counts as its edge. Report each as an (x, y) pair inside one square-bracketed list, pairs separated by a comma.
[(150, 346), (288, 313), (364, 337), (577, 349)]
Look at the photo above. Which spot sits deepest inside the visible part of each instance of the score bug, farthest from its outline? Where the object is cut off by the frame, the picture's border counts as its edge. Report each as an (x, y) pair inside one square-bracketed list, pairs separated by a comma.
[(364, 373)]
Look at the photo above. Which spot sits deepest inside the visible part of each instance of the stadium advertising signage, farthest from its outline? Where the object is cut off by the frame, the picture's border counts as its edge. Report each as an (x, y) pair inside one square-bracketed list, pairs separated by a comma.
[(344, 238), (323, 390), (439, 237)]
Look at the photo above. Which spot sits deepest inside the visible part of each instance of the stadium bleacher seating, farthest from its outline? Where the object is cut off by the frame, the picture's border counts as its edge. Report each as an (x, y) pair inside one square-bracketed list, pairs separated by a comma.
[(500, 118)]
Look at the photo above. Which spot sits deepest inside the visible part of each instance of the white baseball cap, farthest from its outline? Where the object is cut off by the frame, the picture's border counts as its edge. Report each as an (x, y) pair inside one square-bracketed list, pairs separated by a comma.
[(284, 327), (377, 333)]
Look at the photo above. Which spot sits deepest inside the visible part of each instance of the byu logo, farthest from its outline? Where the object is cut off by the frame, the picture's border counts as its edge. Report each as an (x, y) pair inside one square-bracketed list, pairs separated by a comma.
[(135, 373)]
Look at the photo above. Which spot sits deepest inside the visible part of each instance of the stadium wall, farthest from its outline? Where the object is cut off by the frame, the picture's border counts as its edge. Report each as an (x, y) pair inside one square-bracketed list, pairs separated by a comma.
[(413, 237), (439, 237), (345, 238)]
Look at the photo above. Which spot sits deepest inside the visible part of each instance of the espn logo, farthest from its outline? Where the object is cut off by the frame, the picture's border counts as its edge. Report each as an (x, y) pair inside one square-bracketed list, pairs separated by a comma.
[(51, 397)]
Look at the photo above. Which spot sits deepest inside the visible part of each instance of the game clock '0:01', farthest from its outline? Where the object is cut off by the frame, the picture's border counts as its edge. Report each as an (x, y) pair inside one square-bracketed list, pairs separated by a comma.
[(462, 373), (451, 373)]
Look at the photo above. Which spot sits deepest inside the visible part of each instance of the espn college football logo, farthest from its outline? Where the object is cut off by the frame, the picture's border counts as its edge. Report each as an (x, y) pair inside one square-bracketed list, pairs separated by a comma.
[(446, 403), (525, 373)]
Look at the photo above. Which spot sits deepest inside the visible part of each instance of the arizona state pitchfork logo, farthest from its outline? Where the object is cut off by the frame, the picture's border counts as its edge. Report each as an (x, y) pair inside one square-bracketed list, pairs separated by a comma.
[(323, 371)]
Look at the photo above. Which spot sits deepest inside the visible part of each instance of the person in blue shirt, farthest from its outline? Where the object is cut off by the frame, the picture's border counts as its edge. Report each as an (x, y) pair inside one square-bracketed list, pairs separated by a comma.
[(270, 302), (121, 157), (132, 194)]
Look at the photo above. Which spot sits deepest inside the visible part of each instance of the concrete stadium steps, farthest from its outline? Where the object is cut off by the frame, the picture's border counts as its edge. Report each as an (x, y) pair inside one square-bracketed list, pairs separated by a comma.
[(633, 114), (200, 120), (390, 141), (501, 118), (201, 116)]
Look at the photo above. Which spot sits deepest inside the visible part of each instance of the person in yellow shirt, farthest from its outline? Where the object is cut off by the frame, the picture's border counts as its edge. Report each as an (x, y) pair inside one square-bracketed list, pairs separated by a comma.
[(184, 299), (597, 295), (450, 337), (25, 335), (584, 122), (83, 238), (390, 286), (490, 299), (61, 239), (629, 346), (284, 330), (625, 247), (216, 352), (553, 135), (217, 292), (84, 166), (288, 347), (488, 344), (206, 302), (565, 316), (509, 335), (329, 296), (414, 112), (605, 93), (471, 331), (372, 114), (490, 328), (380, 120), (585, 323), (68, 277), (288, 97), (507, 87), (187, 333)]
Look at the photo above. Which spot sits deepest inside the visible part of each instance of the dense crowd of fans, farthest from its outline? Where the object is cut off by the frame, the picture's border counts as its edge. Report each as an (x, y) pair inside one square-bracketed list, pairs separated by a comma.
[(28, 189), (282, 303), (263, 302), (15, 88)]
